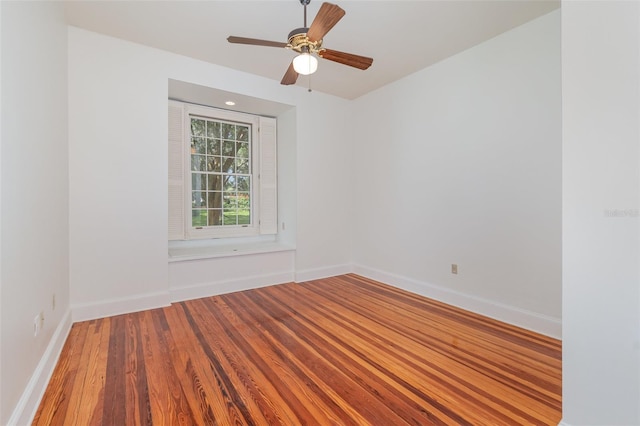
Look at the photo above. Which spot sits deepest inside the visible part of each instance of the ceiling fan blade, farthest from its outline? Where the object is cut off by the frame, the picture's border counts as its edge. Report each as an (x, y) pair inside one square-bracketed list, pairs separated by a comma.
[(328, 15), (290, 76), (255, 41), (356, 61)]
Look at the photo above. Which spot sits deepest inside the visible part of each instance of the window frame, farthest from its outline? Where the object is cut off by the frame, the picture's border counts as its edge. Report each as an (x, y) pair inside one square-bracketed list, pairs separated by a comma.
[(222, 231)]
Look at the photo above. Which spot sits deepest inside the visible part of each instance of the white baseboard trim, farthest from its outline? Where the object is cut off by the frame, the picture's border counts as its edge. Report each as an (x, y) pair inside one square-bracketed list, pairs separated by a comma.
[(109, 308), (319, 273), (178, 294), (542, 324), (28, 403), (563, 423)]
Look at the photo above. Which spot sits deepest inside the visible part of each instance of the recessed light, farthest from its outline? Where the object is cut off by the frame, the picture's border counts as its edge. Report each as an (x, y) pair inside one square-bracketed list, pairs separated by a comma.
[(230, 103)]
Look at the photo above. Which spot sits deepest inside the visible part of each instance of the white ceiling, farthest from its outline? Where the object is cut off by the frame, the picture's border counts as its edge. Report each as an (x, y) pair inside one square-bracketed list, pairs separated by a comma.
[(402, 36)]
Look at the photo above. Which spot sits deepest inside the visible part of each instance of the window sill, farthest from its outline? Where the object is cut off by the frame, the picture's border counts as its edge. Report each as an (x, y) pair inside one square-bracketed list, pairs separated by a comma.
[(185, 253)]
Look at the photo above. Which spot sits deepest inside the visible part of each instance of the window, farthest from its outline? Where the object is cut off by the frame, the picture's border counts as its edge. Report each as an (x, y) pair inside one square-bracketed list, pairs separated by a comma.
[(222, 173)]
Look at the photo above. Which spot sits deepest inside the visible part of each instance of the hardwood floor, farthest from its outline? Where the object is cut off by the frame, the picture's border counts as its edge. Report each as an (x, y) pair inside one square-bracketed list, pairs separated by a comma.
[(338, 351)]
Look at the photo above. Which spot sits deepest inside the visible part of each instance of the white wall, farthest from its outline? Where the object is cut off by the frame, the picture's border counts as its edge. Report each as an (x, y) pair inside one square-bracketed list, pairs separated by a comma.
[(601, 190), (117, 171), (34, 200), (325, 179), (193, 279), (118, 175), (461, 163)]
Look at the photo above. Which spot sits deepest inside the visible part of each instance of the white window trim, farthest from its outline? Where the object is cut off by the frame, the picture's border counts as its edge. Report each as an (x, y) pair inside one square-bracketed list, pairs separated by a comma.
[(264, 172)]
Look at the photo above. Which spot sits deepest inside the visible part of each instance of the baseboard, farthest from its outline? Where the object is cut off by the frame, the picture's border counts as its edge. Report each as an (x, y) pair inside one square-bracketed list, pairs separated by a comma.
[(28, 403), (197, 291), (542, 324), (108, 308), (319, 273), (563, 423)]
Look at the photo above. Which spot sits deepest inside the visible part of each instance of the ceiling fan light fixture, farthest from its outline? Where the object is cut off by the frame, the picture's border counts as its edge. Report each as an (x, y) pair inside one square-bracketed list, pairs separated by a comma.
[(305, 63)]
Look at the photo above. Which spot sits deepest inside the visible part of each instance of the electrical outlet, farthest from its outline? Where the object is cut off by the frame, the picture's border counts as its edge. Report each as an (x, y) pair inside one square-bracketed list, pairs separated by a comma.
[(454, 268)]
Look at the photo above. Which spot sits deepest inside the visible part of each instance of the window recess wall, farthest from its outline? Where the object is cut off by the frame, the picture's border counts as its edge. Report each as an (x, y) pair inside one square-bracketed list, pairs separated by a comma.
[(222, 173)]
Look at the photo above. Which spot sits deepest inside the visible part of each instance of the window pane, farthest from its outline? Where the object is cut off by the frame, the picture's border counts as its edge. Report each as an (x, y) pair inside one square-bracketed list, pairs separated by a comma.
[(244, 209), (242, 133), (243, 217), (243, 200), (197, 199), (198, 163), (213, 164), (214, 200), (213, 146), (230, 218), (198, 145), (228, 131), (229, 148), (229, 203), (213, 129), (230, 184), (198, 218), (229, 165), (243, 183), (242, 166), (215, 182), (198, 181), (197, 127), (215, 217), (242, 150)]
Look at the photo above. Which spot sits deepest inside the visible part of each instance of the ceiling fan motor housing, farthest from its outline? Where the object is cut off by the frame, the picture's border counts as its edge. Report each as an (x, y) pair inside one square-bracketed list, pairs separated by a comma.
[(299, 42)]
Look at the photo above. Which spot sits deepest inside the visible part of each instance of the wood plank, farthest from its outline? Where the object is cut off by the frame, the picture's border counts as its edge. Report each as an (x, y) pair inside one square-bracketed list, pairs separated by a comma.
[(169, 405), (344, 350), (194, 384), (55, 401), (89, 369)]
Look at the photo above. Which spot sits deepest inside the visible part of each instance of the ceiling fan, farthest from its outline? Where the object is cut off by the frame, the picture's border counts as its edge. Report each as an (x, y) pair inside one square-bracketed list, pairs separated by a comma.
[(307, 41)]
